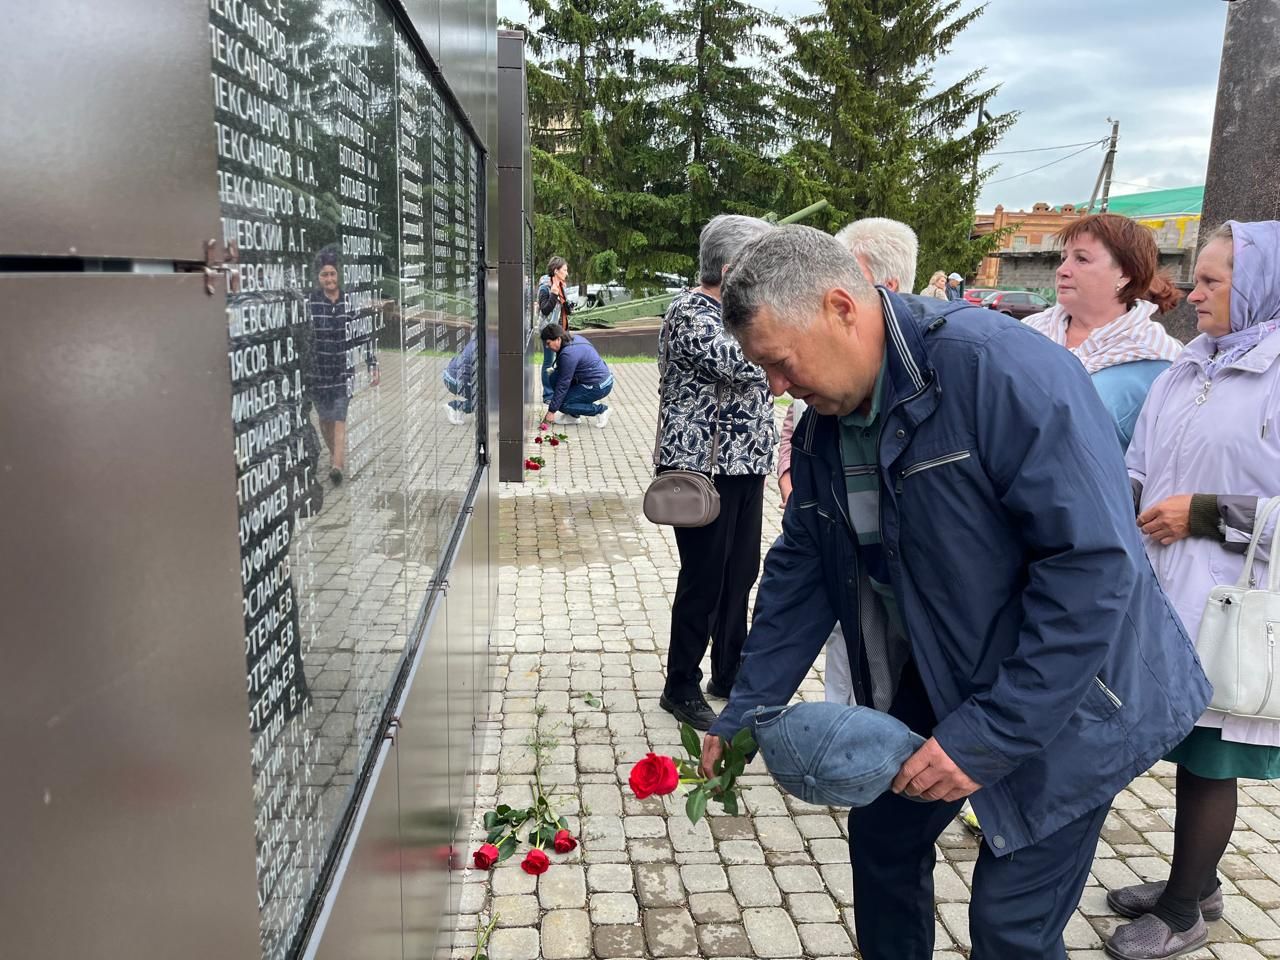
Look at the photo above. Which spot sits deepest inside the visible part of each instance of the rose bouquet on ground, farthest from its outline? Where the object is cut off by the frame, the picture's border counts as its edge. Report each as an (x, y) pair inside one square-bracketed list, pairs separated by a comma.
[(504, 825), (657, 775), (533, 464)]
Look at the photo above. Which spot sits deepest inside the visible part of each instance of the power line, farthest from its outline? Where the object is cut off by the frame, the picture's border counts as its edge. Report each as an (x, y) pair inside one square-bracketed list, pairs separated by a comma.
[(1064, 146), (1049, 164)]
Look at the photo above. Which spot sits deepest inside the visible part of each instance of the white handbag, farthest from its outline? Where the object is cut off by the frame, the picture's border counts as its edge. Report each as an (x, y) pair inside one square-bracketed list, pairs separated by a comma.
[(1238, 636)]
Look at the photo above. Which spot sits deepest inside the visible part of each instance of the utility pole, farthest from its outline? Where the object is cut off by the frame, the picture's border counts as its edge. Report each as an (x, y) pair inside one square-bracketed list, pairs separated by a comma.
[(1243, 179), (1108, 168), (1110, 163), (981, 116)]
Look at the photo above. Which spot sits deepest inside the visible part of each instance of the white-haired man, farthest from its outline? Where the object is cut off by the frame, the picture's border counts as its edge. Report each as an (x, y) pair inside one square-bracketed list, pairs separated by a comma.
[(886, 250), (961, 507)]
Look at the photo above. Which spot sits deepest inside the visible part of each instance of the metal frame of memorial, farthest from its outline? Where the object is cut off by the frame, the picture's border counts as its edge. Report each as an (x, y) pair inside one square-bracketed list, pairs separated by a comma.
[(249, 256)]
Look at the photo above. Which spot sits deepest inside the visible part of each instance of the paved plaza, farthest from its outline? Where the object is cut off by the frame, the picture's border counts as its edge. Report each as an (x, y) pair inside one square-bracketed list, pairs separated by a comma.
[(584, 612)]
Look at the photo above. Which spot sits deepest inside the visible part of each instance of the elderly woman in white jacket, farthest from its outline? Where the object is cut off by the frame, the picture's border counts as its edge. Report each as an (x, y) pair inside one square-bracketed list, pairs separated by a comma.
[(1204, 459)]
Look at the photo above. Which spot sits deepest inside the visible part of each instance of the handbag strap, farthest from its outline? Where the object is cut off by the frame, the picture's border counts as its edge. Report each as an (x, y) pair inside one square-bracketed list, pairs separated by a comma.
[(662, 404), (1259, 526), (1273, 575)]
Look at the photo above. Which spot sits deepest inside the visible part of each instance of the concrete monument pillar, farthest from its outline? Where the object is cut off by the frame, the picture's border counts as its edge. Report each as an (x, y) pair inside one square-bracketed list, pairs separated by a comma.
[(1243, 178)]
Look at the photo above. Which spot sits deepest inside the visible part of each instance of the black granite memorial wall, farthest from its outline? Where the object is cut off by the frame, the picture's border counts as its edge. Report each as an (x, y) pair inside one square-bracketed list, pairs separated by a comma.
[(352, 192)]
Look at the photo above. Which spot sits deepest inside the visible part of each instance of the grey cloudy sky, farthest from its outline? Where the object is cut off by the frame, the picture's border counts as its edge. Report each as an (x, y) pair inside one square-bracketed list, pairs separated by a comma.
[(1067, 65)]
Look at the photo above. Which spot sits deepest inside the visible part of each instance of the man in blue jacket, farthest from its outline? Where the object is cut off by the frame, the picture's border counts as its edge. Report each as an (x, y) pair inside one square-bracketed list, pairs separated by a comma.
[(960, 505), (581, 379)]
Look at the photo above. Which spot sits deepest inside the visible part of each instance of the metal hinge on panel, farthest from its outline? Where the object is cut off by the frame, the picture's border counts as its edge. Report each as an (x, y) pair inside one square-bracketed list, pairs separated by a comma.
[(393, 726), (215, 264)]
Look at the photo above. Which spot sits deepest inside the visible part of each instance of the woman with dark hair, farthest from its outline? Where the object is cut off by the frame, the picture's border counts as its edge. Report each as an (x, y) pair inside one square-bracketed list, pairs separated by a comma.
[(1211, 424), (554, 307), (552, 302), (581, 378), (1109, 290)]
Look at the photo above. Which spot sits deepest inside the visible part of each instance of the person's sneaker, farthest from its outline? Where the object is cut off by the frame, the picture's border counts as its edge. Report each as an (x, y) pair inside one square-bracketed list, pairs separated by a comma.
[(1141, 898), (456, 417), (567, 420), (601, 419), (1150, 938), (719, 692), (697, 713)]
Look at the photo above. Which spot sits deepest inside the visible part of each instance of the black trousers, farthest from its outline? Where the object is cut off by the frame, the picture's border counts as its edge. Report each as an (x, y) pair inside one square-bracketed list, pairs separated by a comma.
[(1020, 903), (719, 563)]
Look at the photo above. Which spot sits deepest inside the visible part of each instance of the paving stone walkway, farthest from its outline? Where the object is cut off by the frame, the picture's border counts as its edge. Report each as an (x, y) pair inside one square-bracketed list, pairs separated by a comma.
[(584, 609)]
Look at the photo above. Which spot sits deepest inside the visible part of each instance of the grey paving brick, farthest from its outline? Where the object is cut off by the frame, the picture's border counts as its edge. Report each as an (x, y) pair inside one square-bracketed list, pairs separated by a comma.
[(612, 908), (724, 940), (669, 932), (704, 878), (566, 934), (659, 885), (714, 907), (771, 932)]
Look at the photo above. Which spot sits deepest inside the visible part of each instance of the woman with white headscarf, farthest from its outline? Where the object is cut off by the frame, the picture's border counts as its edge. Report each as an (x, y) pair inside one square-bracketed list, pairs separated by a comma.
[(1211, 424)]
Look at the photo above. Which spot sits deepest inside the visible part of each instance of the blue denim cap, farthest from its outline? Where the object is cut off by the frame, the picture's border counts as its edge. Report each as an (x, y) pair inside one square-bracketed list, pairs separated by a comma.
[(830, 754)]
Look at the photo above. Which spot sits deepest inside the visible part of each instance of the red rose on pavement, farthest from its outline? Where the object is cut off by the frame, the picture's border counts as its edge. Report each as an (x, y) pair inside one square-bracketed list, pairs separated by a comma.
[(564, 841), (530, 465), (544, 425), (554, 442), (654, 776), (536, 862), (485, 857)]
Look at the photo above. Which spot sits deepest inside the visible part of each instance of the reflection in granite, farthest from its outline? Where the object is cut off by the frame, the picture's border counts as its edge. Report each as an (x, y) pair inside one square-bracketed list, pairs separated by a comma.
[(335, 149)]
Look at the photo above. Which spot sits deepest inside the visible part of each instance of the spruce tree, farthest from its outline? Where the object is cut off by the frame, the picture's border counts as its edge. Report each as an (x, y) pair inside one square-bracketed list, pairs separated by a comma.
[(871, 135), (717, 130), (591, 124)]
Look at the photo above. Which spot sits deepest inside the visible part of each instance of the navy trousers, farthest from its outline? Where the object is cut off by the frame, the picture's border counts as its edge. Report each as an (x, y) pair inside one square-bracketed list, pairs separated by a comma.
[(1020, 903)]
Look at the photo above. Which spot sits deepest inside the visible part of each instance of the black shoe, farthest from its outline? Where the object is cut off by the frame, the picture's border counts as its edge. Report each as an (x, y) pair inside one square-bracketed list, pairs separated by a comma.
[(336, 476), (696, 713), (716, 690)]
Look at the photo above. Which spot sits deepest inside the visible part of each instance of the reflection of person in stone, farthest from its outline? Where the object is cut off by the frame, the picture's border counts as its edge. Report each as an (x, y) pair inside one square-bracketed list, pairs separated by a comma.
[(330, 370), (460, 380)]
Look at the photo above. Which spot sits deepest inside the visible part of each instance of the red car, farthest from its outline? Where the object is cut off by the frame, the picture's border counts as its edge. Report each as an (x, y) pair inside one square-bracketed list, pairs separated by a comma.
[(1015, 303), (976, 295)]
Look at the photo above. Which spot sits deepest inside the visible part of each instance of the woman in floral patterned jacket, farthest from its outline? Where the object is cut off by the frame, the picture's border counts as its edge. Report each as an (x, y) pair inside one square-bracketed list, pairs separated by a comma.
[(705, 382)]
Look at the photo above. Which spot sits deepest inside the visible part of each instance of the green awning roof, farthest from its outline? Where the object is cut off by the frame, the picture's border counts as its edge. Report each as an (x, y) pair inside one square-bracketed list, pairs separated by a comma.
[(1181, 201)]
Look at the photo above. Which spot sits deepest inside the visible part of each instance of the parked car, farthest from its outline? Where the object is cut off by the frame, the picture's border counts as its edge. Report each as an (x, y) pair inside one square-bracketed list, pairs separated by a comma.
[(976, 295), (1015, 303)]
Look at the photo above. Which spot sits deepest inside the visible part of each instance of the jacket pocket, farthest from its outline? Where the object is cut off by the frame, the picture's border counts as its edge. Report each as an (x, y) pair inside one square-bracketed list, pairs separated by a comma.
[(1100, 702), (931, 464)]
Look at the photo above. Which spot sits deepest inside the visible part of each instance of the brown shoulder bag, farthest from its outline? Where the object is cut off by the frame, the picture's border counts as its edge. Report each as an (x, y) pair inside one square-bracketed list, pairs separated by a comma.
[(682, 498)]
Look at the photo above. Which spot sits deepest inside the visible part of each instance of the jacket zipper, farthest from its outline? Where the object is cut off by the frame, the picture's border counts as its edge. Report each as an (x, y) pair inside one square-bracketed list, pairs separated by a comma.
[(1107, 690), (1167, 559), (930, 464), (1271, 664)]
